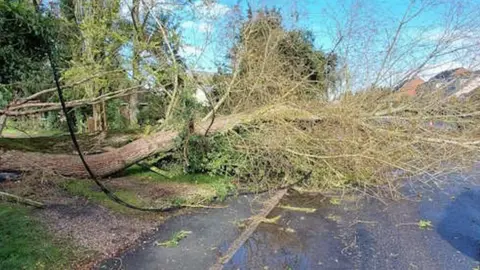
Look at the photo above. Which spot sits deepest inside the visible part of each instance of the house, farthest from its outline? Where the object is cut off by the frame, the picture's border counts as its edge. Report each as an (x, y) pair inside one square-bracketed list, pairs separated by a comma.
[(454, 82), (471, 84), (410, 87)]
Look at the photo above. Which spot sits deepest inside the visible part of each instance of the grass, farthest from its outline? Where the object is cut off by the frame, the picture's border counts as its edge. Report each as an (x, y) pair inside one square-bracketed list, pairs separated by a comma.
[(24, 244), (208, 187), (177, 176), (34, 144), (222, 185), (89, 190), (23, 134), (175, 240)]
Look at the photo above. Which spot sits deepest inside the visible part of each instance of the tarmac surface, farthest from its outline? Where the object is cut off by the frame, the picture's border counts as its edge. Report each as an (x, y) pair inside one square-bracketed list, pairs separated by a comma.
[(345, 233)]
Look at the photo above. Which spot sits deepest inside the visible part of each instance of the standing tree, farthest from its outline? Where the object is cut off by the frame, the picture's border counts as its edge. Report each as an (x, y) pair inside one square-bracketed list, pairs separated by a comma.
[(101, 40), (24, 68)]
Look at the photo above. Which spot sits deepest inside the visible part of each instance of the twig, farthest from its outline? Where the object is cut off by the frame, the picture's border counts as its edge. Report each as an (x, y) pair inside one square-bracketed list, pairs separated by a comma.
[(203, 206), (357, 221), (16, 198)]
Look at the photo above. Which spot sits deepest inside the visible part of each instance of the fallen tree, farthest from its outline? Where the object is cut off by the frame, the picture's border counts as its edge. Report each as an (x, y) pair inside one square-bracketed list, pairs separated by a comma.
[(104, 164), (285, 126), (342, 143)]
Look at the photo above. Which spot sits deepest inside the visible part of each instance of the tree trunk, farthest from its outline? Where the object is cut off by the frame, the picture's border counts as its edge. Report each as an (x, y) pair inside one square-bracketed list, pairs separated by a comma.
[(133, 101), (106, 163), (97, 117), (133, 110), (3, 121), (104, 116)]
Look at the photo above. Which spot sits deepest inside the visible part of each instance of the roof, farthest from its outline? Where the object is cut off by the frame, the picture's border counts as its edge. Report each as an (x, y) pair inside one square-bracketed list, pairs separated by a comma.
[(457, 81), (451, 74), (410, 86)]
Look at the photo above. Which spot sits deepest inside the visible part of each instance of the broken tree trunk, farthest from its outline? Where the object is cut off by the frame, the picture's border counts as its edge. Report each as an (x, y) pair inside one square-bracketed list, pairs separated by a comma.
[(106, 163), (15, 198)]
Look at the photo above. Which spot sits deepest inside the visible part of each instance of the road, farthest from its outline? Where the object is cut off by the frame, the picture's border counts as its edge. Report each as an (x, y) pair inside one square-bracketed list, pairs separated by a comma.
[(343, 233)]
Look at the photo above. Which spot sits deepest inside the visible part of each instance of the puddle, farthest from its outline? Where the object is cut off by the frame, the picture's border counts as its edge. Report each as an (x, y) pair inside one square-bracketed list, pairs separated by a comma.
[(366, 234), (9, 176), (297, 241), (213, 230), (460, 223)]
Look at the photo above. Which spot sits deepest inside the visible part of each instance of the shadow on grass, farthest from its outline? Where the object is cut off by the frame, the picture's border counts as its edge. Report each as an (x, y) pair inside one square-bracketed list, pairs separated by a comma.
[(25, 244)]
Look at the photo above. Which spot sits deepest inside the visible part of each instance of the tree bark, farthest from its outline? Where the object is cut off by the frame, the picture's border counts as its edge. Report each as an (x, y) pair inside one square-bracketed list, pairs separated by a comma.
[(3, 121), (133, 110), (107, 163), (97, 117)]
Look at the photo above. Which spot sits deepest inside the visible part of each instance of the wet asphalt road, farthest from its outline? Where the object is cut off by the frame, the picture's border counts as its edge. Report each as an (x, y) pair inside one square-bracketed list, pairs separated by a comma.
[(353, 234)]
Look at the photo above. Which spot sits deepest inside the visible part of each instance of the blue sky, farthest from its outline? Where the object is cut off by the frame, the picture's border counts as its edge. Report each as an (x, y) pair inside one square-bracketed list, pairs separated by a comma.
[(205, 43), (367, 28)]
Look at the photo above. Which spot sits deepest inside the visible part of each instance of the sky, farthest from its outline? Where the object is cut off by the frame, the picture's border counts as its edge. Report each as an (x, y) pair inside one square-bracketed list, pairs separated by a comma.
[(360, 31)]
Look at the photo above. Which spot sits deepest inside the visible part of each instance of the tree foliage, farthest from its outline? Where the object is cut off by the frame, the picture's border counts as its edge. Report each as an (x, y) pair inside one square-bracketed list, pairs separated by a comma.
[(271, 60), (23, 61)]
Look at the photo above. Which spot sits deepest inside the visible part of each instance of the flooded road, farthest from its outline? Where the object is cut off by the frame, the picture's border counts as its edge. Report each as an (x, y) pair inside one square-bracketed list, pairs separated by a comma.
[(343, 233)]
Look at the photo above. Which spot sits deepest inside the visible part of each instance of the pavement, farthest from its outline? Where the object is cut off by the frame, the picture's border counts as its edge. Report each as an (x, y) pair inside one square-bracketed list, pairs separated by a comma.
[(346, 233)]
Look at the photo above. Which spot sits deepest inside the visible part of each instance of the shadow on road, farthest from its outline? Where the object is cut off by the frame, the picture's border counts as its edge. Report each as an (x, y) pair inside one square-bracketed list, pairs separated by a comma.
[(461, 223)]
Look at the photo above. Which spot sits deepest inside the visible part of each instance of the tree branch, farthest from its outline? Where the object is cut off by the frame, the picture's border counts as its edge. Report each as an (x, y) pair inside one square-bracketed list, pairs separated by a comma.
[(76, 103)]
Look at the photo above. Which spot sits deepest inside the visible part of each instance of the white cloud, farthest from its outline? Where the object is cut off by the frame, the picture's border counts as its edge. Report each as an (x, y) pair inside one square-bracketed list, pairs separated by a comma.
[(155, 5), (188, 24), (431, 70), (200, 26), (190, 51), (209, 10), (205, 27)]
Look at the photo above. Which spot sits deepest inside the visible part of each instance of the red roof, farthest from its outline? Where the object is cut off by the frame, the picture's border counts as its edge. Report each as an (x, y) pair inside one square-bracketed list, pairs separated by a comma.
[(410, 86)]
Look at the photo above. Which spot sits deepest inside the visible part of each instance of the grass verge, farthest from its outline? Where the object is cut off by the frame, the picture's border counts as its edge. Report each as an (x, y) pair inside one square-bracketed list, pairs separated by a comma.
[(89, 190), (25, 244), (222, 185), (147, 189)]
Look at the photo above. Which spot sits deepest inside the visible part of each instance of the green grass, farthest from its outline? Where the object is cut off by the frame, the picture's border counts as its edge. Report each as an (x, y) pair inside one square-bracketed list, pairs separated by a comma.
[(222, 185), (24, 244), (209, 187), (89, 190), (35, 144), (177, 176)]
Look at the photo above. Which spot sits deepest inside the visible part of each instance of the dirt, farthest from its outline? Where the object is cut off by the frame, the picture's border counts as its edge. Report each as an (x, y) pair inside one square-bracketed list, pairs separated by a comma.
[(88, 225), (95, 228)]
